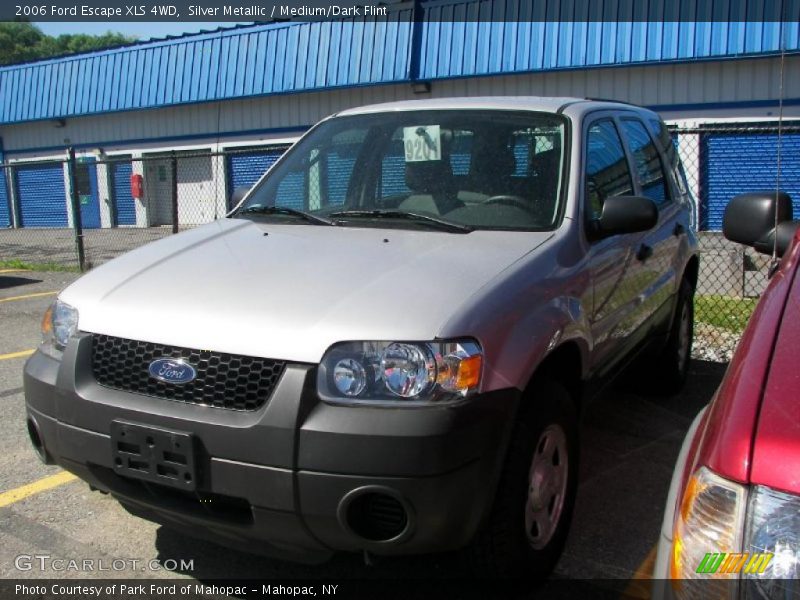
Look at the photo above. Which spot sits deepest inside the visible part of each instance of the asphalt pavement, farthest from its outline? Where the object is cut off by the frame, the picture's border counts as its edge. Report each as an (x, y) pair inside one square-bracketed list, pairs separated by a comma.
[(630, 440)]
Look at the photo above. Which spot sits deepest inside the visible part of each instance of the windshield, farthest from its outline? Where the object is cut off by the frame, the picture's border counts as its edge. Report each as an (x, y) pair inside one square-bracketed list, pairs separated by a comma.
[(476, 169)]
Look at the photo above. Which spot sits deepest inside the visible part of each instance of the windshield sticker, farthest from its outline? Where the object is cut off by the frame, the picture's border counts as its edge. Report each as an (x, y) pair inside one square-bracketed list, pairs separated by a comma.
[(422, 143)]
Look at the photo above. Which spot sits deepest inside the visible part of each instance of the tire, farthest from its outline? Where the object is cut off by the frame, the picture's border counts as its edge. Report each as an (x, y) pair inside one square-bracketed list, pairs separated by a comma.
[(672, 365), (524, 534)]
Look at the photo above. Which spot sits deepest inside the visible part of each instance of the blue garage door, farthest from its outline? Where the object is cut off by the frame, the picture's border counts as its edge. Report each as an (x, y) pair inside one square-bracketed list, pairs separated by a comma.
[(246, 168), (121, 187), (739, 163), (5, 220), (41, 195)]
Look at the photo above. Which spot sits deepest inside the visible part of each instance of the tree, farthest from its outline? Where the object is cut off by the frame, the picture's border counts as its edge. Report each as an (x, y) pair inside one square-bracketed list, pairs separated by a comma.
[(21, 41)]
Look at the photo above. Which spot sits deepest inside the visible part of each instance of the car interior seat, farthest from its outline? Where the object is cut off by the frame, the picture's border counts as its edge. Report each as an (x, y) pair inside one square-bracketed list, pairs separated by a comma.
[(492, 168), (432, 184)]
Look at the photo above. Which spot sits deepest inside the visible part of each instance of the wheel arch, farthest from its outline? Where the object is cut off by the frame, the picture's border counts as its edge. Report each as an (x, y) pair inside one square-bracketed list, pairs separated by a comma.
[(691, 271), (563, 365)]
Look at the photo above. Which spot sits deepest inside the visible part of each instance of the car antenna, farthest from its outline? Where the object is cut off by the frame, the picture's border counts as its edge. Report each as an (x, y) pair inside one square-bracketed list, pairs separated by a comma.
[(215, 158), (774, 265)]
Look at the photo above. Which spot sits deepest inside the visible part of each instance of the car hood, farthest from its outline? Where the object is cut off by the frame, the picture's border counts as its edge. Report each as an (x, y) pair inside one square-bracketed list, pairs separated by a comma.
[(290, 291)]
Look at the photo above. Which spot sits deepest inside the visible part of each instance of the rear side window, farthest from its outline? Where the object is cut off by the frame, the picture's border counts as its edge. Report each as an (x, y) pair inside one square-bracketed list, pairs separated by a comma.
[(607, 172), (669, 148), (649, 169)]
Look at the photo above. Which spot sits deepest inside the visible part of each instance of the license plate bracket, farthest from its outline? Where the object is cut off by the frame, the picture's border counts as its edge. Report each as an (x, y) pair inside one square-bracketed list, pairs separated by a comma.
[(154, 454)]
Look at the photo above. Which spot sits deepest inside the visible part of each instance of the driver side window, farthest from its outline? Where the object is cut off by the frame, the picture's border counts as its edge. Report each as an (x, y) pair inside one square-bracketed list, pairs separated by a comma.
[(607, 170)]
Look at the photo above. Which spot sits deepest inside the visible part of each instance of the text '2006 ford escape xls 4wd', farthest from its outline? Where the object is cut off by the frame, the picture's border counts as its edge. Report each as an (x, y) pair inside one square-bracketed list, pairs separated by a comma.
[(384, 346)]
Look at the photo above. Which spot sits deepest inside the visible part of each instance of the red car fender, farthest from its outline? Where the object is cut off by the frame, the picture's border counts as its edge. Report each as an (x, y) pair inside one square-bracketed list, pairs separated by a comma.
[(724, 442)]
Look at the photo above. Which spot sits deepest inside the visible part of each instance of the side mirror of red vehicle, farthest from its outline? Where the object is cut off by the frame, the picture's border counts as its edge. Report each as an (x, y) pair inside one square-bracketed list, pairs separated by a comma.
[(750, 219)]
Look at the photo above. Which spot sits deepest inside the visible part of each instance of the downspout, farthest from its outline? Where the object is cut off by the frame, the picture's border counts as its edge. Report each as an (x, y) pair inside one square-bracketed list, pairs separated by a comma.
[(415, 59), (6, 183)]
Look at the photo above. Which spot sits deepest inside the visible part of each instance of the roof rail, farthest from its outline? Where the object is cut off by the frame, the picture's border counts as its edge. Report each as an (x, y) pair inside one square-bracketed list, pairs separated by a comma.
[(612, 100)]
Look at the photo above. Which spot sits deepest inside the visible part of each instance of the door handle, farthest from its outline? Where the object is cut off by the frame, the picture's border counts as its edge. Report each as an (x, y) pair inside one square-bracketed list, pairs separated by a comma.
[(644, 252), (679, 230)]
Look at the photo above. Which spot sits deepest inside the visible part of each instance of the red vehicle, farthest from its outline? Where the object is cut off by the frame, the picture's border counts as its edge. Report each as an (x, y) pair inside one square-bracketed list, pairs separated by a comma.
[(732, 521)]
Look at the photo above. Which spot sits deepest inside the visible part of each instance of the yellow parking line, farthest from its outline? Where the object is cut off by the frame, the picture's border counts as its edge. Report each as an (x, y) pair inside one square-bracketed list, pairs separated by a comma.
[(13, 271), (21, 354), (42, 485), (26, 296), (639, 585)]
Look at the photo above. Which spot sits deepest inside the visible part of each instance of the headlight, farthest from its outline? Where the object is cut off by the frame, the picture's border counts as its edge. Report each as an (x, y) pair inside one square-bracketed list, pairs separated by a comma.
[(60, 322), (773, 528), (349, 377), (707, 530), (407, 370), (400, 372)]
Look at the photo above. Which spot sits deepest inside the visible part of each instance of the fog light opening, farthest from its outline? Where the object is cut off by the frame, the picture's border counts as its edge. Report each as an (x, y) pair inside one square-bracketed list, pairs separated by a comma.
[(37, 443), (375, 516)]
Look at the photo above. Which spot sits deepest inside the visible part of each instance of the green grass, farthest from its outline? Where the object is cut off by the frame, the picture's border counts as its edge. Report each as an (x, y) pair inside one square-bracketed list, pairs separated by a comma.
[(726, 312), (18, 264)]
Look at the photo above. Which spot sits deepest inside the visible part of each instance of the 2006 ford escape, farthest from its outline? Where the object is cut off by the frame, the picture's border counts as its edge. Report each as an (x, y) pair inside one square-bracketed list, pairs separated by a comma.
[(384, 346)]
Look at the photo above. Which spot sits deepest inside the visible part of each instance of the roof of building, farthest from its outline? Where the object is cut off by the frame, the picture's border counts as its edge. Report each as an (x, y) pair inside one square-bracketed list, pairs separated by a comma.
[(446, 42)]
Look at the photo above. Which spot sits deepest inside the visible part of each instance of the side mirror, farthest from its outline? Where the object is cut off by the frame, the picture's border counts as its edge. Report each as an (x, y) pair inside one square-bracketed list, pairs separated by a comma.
[(750, 220), (237, 195), (625, 214)]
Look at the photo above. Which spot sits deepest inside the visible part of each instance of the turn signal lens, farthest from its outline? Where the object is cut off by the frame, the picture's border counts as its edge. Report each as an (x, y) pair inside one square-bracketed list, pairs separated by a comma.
[(47, 324), (459, 372), (707, 526), (469, 372)]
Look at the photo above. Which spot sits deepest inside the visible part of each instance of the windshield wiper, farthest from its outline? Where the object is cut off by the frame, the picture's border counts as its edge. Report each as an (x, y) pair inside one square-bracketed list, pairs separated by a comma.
[(399, 214), (285, 210)]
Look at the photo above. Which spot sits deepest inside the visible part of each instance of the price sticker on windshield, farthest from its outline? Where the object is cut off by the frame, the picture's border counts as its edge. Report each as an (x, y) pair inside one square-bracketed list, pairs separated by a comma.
[(422, 143)]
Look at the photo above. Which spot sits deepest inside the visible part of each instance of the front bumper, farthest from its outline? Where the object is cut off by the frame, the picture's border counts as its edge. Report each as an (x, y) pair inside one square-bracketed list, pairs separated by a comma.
[(283, 479), (661, 570)]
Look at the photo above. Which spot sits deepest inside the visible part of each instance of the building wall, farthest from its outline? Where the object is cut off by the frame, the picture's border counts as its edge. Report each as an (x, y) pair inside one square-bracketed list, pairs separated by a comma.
[(689, 94), (742, 88), (420, 40)]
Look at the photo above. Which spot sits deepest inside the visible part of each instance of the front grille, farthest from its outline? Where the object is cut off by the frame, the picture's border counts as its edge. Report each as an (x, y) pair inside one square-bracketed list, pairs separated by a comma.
[(223, 380)]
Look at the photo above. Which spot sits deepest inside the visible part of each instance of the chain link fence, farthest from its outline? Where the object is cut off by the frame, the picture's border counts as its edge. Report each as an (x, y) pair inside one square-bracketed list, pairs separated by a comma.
[(79, 212), (720, 162)]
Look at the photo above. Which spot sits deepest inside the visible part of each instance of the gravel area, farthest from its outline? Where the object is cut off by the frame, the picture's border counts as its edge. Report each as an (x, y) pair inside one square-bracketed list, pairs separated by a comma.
[(714, 344)]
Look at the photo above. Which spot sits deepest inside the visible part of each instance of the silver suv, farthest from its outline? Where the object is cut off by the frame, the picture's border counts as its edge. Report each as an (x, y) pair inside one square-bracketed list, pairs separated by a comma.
[(384, 347)]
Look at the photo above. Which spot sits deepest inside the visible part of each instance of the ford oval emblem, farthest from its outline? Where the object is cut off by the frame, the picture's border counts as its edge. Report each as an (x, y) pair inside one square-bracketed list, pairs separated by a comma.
[(172, 370)]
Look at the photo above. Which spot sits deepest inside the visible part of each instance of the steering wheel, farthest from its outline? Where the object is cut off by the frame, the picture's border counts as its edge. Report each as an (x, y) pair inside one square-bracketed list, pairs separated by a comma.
[(509, 200)]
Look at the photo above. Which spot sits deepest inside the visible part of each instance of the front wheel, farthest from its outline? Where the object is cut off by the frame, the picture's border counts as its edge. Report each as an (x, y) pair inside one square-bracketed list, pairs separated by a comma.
[(673, 364), (526, 529)]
